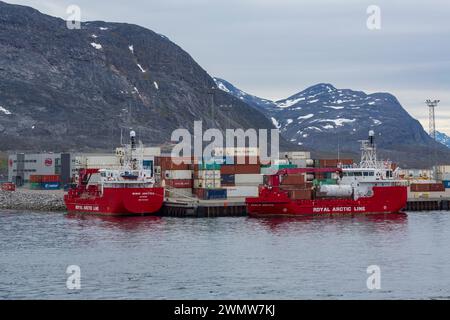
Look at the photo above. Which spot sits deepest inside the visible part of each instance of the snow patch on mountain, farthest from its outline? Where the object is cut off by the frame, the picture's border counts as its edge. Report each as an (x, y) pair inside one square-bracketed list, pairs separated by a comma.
[(5, 111)]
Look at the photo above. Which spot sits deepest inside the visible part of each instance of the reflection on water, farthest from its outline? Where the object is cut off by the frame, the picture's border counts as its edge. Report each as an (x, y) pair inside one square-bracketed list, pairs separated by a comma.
[(120, 222), (241, 258), (375, 221)]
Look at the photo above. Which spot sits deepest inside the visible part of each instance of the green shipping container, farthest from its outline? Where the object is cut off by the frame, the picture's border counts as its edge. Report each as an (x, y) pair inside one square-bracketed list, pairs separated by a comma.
[(209, 166), (35, 185)]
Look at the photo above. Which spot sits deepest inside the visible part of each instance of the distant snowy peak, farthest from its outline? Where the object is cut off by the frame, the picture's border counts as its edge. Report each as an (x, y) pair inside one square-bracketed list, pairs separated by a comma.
[(252, 100), (327, 96), (443, 138)]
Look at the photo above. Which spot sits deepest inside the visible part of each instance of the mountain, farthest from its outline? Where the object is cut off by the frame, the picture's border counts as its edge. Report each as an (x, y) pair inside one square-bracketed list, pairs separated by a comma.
[(443, 138), (324, 118), (257, 102), (63, 89)]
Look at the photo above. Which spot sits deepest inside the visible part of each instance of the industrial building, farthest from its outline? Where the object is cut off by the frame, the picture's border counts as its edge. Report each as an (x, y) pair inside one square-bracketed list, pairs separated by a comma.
[(23, 165)]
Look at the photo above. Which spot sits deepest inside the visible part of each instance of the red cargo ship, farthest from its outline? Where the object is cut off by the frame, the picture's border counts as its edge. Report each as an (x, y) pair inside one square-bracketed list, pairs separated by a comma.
[(129, 190), (370, 188)]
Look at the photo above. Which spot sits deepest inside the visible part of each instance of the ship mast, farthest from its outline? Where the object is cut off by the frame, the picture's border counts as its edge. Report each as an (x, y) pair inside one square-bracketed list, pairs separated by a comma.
[(369, 152)]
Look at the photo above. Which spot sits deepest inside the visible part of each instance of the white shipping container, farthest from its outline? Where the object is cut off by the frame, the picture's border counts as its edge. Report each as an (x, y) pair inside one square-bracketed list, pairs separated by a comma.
[(297, 155), (248, 179), (209, 174), (269, 170), (242, 191), (303, 163), (102, 162), (178, 174), (205, 183)]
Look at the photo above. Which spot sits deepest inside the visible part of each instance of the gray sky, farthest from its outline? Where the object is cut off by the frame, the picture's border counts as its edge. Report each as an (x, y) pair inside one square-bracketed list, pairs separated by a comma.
[(275, 48)]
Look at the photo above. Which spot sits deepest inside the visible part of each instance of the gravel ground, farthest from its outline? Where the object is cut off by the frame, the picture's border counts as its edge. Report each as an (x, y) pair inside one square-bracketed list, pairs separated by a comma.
[(25, 199)]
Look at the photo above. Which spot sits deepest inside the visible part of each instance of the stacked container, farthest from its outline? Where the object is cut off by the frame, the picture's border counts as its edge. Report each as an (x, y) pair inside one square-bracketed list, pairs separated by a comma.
[(45, 182), (207, 180), (427, 187), (175, 174), (301, 159), (242, 180), (297, 186)]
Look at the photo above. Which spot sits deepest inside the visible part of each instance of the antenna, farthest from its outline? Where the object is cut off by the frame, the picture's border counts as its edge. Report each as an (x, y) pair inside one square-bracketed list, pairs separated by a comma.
[(432, 127), (432, 123)]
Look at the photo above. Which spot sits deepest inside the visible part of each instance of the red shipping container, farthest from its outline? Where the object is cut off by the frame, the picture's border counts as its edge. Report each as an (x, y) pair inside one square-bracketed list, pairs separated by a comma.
[(247, 169), (167, 163), (227, 169), (50, 178), (35, 178), (8, 186), (333, 163), (300, 194), (427, 187), (179, 183), (293, 179)]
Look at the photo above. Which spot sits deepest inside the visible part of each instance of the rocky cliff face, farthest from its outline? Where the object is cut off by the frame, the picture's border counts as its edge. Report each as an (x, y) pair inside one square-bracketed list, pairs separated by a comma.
[(64, 89), (324, 118)]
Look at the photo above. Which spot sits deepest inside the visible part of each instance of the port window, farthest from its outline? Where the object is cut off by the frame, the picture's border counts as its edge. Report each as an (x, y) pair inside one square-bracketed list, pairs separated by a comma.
[(366, 174), (358, 174)]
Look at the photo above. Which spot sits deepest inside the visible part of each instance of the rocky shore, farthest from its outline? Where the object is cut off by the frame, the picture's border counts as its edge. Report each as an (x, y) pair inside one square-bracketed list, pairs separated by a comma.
[(36, 200)]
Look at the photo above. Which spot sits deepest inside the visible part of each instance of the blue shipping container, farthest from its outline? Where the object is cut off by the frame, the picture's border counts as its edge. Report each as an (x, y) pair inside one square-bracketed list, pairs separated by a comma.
[(215, 194), (446, 184), (227, 179), (50, 185)]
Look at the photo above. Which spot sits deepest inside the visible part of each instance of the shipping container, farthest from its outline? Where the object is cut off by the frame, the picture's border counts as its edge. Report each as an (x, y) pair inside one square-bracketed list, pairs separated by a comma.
[(207, 174), (211, 194), (297, 155), (227, 169), (169, 163), (332, 163), (319, 182), (248, 179), (242, 191), (293, 179), (304, 163), (35, 185), (221, 160), (227, 179), (8, 186), (50, 186), (178, 174), (207, 184), (427, 187), (208, 166), (301, 194), (179, 183)]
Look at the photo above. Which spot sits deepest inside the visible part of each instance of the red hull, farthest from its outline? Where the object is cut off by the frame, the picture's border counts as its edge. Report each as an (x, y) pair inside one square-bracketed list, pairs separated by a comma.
[(385, 200), (117, 201)]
